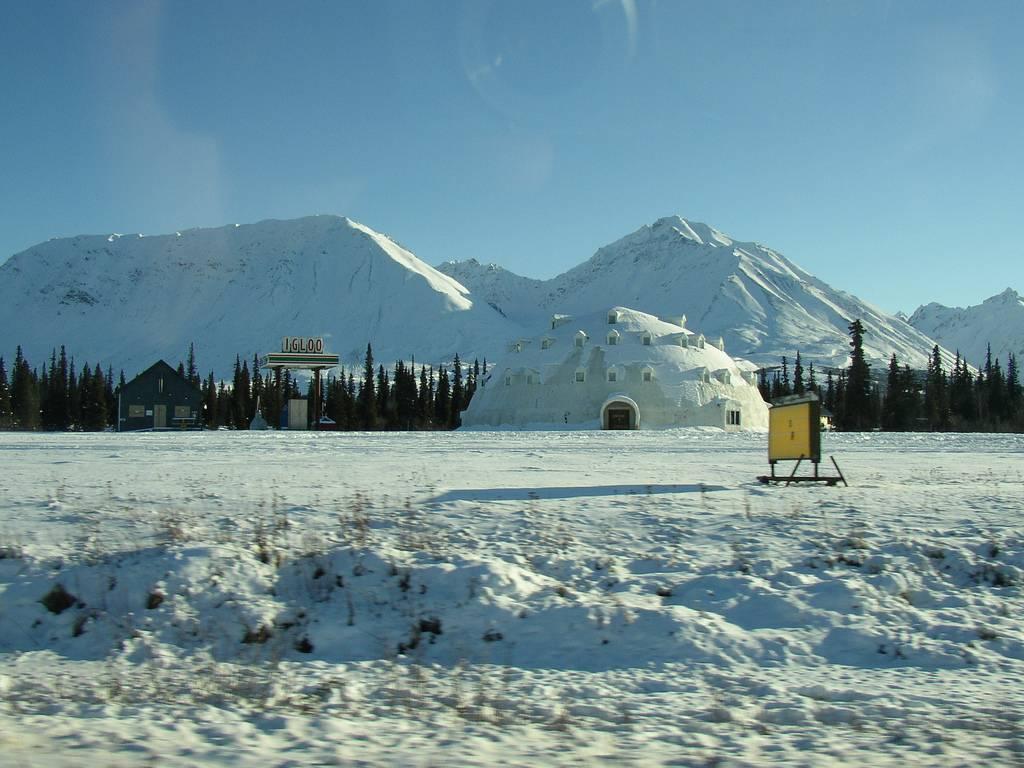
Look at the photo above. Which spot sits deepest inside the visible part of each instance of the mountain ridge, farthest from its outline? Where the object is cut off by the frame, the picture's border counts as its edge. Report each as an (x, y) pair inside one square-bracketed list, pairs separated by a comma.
[(998, 321), (125, 300)]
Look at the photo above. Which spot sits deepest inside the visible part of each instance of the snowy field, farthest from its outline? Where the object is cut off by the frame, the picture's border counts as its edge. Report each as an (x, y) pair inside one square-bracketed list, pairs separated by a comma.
[(485, 598)]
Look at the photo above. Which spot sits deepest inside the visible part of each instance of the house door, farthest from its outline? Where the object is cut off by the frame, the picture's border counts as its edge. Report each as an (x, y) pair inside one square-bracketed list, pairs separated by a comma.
[(618, 418), (159, 416)]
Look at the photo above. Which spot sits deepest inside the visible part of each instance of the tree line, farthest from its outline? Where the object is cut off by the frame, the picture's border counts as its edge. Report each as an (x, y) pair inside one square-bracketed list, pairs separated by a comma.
[(57, 397), (904, 399)]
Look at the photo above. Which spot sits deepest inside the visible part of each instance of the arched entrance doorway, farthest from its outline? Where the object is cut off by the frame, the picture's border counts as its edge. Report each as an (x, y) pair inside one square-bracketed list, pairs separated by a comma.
[(620, 412)]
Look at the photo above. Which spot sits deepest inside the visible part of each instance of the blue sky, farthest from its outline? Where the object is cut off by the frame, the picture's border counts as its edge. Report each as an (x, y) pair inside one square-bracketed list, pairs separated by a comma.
[(876, 144)]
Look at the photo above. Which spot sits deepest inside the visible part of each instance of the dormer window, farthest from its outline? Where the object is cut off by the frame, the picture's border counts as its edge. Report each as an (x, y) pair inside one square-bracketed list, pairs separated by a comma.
[(546, 342), (580, 339), (508, 379), (684, 341), (646, 338), (700, 341), (613, 317), (613, 338), (721, 343)]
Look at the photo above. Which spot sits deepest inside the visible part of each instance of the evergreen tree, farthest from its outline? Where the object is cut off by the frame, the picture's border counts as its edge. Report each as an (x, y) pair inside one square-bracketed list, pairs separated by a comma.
[(424, 400), (224, 406), (812, 381), (385, 404), (367, 396), (6, 414), (110, 397), (190, 370), (830, 393), (892, 404), (442, 400), (241, 403), (210, 414), (60, 387), (94, 399), (256, 391), (351, 402), (457, 395), (763, 386), (47, 419), (1013, 388), (74, 397), (936, 399), (857, 406), (798, 375), (24, 394)]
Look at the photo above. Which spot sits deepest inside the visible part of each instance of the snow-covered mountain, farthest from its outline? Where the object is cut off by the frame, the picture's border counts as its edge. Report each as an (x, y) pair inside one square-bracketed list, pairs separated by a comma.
[(128, 300), (998, 321), (763, 305)]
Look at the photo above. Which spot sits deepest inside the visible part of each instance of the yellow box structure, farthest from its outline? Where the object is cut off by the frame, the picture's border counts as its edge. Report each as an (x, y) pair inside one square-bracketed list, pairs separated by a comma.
[(794, 430)]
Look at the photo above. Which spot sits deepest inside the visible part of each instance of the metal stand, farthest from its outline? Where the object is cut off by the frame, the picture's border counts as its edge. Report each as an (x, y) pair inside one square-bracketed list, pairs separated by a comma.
[(794, 478)]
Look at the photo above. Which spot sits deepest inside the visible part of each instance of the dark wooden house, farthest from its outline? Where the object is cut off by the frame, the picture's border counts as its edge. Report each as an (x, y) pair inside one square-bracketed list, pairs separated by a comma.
[(159, 398)]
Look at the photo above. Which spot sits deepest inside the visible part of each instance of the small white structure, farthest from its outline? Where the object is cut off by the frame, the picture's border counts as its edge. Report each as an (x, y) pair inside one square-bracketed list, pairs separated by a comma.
[(643, 373)]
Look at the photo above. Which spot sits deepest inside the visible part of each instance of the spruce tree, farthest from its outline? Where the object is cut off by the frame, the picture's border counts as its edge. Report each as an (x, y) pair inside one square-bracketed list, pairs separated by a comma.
[(6, 414), (857, 406), (763, 386), (24, 394), (190, 370), (351, 402), (256, 391), (74, 397), (424, 398), (94, 400), (224, 406), (458, 394), (210, 415), (367, 396), (442, 399), (936, 400), (893, 403), (798, 375), (111, 399), (61, 390)]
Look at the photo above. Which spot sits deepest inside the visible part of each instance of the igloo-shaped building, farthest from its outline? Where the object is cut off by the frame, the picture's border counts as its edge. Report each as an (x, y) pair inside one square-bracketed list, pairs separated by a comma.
[(620, 369)]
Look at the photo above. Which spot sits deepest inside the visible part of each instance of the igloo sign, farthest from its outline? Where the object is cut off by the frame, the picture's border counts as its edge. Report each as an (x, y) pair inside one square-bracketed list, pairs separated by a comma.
[(303, 344)]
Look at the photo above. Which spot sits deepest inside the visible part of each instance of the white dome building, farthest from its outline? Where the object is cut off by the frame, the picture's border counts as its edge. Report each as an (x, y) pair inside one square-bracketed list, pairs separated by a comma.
[(622, 369)]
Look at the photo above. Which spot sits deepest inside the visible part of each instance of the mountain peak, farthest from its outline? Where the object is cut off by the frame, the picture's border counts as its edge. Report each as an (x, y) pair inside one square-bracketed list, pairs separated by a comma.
[(1009, 296)]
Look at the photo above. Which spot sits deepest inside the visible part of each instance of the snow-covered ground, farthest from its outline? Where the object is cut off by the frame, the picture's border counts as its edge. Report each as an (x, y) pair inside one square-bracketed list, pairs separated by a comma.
[(487, 598)]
